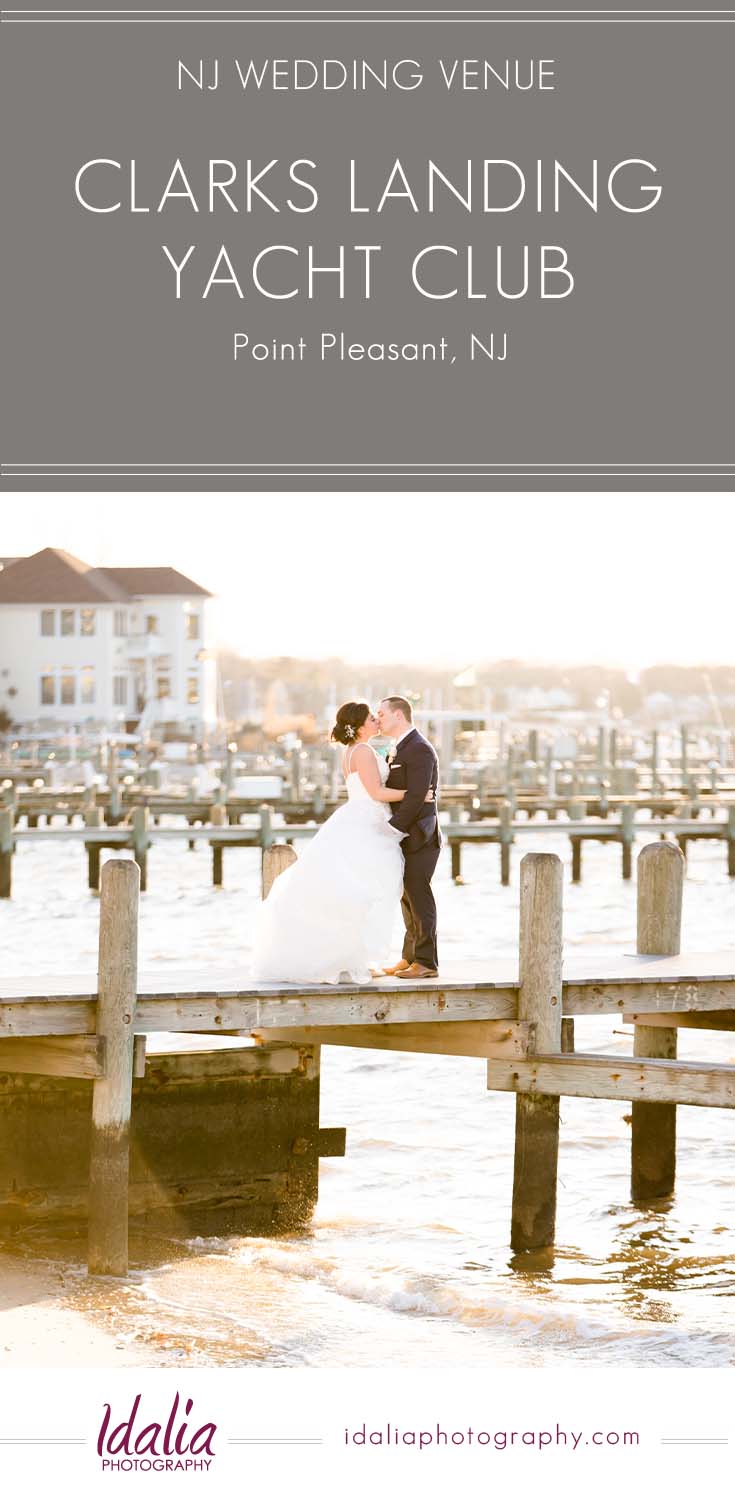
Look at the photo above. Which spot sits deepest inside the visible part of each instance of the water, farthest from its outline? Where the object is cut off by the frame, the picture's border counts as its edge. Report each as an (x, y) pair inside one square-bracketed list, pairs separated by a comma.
[(407, 1260)]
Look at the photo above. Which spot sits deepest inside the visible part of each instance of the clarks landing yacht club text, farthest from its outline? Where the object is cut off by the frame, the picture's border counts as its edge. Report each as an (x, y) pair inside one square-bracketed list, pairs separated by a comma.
[(208, 220)]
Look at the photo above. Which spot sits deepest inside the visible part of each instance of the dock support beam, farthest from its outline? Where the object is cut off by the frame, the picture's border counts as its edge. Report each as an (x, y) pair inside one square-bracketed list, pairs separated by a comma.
[(93, 819), (627, 837), (276, 859), (111, 1096), (218, 818), (140, 820), (660, 886), (539, 1002), (505, 818), (731, 841), (6, 852)]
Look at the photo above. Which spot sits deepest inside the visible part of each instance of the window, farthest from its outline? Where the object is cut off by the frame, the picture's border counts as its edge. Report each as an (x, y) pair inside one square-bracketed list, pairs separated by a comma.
[(87, 685), (67, 621), (163, 687), (120, 691), (121, 622), (87, 621), (48, 694), (192, 627), (192, 688), (151, 624), (68, 688), (48, 622)]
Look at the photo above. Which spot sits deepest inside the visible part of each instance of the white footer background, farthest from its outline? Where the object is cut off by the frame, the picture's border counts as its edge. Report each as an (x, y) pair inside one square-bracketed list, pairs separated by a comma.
[(278, 1429)]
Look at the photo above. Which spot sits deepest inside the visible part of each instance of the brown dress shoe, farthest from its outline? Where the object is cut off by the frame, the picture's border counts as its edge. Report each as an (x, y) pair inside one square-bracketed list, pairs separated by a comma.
[(398, 968), (417, 971)]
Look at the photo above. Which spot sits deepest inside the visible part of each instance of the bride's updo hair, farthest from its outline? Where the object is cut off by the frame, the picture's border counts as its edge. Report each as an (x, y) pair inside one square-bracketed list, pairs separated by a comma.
[(350, 718)]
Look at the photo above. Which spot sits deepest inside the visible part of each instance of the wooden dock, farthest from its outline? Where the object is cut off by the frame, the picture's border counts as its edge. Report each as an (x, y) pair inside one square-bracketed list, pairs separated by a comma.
[(139, 834), (521, 1019)]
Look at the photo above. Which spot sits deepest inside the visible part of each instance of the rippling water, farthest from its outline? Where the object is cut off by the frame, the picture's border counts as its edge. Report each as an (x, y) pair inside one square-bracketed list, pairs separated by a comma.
[(407, 1259)]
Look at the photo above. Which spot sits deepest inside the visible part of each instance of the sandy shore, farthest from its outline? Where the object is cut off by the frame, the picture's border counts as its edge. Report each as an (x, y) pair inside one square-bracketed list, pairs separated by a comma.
[(41, 1325), (51, 1316)]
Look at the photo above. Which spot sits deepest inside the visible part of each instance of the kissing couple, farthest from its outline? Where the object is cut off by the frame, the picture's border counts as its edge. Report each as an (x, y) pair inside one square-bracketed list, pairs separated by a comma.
[(329, 917)]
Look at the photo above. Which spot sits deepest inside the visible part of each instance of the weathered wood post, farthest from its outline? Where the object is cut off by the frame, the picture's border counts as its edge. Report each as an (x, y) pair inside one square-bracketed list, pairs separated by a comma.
[(627, 837), (685, 756), (654, 761), (276, 859), (456, 852), (140, 841), (510, 767), (731, 840), (576, 811), (218, 818), (6, 852), (601, 748), (505, 818), (93, 819), (540, 1002), (660, 886), (111, 1095), (114, 785), (230, 771)]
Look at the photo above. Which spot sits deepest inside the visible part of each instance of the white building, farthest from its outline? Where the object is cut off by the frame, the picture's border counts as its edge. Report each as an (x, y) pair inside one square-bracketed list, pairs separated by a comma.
[(106, 646)]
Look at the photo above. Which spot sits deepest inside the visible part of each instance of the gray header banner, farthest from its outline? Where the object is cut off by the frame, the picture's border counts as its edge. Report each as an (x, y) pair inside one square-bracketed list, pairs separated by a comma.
[(353, 248)]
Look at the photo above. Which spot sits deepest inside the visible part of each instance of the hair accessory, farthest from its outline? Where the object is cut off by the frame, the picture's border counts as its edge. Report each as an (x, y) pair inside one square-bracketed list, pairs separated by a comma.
[(350, 731)]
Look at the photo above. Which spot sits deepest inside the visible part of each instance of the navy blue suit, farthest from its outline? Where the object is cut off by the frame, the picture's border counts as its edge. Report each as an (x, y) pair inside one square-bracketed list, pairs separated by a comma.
[(415, 769)]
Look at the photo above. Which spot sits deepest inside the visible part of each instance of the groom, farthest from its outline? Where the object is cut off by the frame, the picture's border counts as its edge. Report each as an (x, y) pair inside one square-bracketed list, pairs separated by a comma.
[(414, 769)]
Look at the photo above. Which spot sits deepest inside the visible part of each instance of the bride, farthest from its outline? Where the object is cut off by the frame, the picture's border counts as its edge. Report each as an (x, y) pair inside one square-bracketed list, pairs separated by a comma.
[(330, 915)]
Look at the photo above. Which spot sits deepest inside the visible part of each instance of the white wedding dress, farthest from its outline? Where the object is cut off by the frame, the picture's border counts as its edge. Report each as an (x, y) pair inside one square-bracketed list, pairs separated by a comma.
[(330, 915)]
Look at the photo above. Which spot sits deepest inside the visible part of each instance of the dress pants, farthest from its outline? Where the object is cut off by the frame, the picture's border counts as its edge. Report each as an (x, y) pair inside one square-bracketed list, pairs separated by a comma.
[(419, 907)]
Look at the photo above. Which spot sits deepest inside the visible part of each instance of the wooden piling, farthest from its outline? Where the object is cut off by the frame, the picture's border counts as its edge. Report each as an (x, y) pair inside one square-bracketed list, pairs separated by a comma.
[(576, 811), (93, 819), (731, 840), (140, 821), (540, 1003), (276, 859), (115, 807), (6, 853), (219, 819), (505, 818), (660, 887), (111, 1096), (627, 836), (456, 852)]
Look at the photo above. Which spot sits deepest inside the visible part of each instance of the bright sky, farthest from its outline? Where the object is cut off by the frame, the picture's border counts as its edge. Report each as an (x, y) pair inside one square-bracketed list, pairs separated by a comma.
[(449, 578)]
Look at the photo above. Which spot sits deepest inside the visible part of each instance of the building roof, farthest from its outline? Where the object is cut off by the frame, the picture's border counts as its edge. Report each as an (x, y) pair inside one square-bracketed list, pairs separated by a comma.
[(52, 576), (154, 581)]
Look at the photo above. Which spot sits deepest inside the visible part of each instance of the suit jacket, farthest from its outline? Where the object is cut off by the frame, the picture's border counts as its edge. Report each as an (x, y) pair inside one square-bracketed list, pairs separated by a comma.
[(415, 769)]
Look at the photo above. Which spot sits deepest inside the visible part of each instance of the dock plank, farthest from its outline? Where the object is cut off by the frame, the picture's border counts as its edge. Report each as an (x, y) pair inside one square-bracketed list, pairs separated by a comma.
[(484, 991)]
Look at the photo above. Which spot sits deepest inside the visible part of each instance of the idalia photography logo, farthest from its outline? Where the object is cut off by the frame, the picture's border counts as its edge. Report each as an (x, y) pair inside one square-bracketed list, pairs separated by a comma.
[(139, 1444)]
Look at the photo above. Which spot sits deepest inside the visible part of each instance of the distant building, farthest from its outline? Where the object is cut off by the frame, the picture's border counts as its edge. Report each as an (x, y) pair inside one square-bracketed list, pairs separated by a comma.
[(106, 645)]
